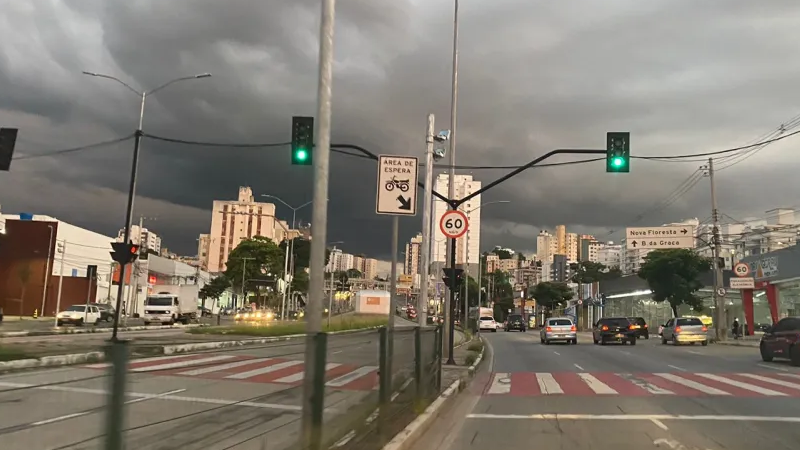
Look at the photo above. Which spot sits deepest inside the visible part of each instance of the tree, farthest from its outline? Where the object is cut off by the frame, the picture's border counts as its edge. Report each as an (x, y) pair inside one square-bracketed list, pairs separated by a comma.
[(503, 253), (587, 272), (302, 253), (551, 294), (253, 259), (354, 273), (214, 289), (471, 289), (673, 276)]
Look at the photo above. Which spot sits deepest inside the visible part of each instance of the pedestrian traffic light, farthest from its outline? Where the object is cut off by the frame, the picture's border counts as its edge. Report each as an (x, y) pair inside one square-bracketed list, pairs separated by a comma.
[(302, 140), (124, 253), (8, 138), (449, 273), (618, 152)]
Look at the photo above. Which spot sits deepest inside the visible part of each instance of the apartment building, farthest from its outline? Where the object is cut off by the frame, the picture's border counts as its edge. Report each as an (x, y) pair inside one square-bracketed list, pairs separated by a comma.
[(609, 255), (546, 247), (561, 239), (572, 247), (144, 237), (411, 263), (467, 247)]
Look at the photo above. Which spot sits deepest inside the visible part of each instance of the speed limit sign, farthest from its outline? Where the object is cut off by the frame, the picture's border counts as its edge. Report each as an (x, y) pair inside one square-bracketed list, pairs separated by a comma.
[(741, 269), (454, 224)]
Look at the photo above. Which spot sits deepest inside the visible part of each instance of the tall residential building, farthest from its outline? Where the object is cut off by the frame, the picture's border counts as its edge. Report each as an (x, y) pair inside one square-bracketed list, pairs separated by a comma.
[(610, 255), (573, 247), (202, 249), (546, 247), (143, 237), (340, 261), (588, 248), (411, 265), (233, 221), (358, 262), (561, 239), (464, 186), (370, 268)]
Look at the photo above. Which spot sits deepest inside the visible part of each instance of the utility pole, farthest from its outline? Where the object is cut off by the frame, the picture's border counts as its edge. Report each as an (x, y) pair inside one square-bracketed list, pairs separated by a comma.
[(61, 281), (425, 247), (719, 300)]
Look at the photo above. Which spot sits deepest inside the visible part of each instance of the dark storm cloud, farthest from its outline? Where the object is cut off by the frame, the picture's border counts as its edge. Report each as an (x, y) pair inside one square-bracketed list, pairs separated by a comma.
[(682, 76)]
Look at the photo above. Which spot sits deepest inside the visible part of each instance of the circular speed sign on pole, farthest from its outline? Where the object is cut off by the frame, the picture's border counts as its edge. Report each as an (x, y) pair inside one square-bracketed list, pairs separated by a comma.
[(454, 224), (741, 269)]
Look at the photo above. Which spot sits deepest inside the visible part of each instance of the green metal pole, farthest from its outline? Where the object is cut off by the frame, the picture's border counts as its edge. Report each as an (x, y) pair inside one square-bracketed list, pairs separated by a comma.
[(384, 378), (318, 396), (418, 363), (117, 355), (437, 351)]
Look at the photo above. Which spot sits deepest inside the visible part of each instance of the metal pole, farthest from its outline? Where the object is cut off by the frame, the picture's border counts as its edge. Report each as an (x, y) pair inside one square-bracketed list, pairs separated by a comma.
[(244, 266), (285, 280), (330, 302), (392, 297), (47, 270), (450, 317), (719, 300), (291, 260), (425, 247), (311, 419), (60, 283), (110, 278), (465, 303), (451, 189), (480, 278)]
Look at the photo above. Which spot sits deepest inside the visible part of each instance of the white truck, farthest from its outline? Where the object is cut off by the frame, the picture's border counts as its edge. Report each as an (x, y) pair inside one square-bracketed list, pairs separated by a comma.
[(171, 304)]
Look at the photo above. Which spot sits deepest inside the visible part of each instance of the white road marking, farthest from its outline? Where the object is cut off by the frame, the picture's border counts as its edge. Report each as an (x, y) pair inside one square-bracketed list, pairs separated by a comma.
[(766, 366), (548, 384), (596, 385), (337, 352), (647, 386), (578, 367), (233, 365), (659, 424), (691, 384), (176, 398), (140, 360), (676, 368), (86, 413), (771, 380), (791, 375), (298, 377), (633, 417), (352, 376), (694, 352), (739, 384), (179, 364), (559, 354), (263, 370), (501, 384)]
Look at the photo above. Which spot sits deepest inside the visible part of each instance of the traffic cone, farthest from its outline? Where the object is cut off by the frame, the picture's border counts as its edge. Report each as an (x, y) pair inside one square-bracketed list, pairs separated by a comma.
[(35, 313)]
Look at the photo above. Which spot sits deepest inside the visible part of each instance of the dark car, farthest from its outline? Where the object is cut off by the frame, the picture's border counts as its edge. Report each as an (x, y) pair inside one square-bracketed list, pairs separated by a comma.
[(782, 340), (516, 322), (106, 311), (640, 325), (614, 329)]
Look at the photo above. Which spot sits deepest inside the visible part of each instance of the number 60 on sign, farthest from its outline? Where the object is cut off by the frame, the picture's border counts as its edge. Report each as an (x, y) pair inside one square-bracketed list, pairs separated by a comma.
[(454, 224)]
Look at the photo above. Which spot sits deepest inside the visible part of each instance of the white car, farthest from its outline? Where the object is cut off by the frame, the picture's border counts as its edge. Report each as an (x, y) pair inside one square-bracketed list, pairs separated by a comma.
[(488, 323), (78, 315)]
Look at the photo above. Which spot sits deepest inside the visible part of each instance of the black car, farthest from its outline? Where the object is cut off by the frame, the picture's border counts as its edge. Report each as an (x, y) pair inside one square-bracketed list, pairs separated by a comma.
[(106, 311), (782, 340), (640, 325), (614, 329), (516, 322)]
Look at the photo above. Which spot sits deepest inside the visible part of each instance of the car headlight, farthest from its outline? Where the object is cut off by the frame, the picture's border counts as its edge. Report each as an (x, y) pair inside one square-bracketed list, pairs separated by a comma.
[(246, 315), (258, 315), (237, 316), (270, 315)]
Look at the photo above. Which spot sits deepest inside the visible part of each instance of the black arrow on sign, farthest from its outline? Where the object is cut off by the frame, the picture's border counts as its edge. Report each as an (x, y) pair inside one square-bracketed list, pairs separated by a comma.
[(684, 231), (405, 203), (633, 244)]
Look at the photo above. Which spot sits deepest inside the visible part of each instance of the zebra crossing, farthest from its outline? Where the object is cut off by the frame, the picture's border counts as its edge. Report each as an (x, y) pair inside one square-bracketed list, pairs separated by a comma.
[(252, 369), (681, 384)]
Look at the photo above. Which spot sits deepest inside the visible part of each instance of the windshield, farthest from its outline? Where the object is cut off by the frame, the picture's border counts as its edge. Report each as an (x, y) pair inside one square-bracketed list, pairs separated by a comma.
[(515, 317), (487, 318), (615, 322), (80, 308), (159, 301), (689, 322)]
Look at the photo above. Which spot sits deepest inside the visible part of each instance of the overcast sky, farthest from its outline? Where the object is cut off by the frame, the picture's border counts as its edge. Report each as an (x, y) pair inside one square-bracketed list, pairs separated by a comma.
[(683, 76)]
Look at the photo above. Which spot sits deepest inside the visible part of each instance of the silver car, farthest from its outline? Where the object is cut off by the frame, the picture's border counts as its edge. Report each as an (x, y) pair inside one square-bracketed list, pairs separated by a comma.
[(558, 329), (682, 330)]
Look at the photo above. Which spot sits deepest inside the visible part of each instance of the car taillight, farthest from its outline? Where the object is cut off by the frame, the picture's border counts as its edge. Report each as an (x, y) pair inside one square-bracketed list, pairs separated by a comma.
[(705, 328), (677, 329), (548, 329), (573, 328), (645, 326), (605, 328), (632, 327)]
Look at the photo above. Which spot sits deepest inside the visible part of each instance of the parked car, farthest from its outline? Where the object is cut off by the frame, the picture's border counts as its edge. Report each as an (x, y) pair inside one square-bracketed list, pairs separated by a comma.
[(78, 315), (516, 322), (106, 311), (487, 323), (614, 329), (782, 340), (682, 330), (640, 325), (558, 329)]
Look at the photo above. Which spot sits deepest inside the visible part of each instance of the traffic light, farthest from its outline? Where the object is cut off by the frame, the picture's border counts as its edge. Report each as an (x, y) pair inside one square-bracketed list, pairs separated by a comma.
[(124, 253), (302, 140), (8, 138), (618, 152), (450, 273)]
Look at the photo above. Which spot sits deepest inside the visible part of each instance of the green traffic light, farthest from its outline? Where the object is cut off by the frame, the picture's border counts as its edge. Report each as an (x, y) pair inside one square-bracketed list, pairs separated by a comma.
[(618, 161), (301, 154)]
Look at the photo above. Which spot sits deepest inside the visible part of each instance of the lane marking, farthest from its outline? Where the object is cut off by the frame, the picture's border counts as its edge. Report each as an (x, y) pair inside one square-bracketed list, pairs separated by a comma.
[(141, 360), (337, 352), (501, 384), (676, 368), (86, 413), (766, 366), (559, 354), (548, 384), (578, 367), (659, 424), (771, 380), (739, 384), (351, 376), (263, 370), (596, 385), (298, 377), (233, 365), (694, 352), (176, 398), (634, 417), (179, 364), (691, 384)]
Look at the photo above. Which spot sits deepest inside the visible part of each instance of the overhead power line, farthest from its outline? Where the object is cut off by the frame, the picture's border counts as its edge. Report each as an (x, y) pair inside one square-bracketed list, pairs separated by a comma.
[(74, 149)]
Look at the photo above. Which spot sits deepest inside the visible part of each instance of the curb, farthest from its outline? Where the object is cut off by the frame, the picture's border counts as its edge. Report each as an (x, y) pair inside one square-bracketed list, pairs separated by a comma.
[(52, 361), (414, 431), (59, 331)]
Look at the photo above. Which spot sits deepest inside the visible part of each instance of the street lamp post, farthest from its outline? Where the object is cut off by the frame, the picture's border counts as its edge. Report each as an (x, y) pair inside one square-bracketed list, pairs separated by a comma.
[(47, 270)]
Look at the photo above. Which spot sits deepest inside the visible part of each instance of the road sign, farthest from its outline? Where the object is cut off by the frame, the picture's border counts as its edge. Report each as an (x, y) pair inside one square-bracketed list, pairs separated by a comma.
[(743, 283), (721, 292), (454, 224), (742, 270), (397, 185), (660, 237)]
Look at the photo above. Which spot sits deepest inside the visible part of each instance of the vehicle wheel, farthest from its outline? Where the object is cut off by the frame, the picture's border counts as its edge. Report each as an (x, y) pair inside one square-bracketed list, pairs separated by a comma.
[(663, 341), (146, 323), (633, 341), (765, 356), (574, 342), (541, 340), (705, 343), (647, 336), (794, 356), (79, 323), (602, 342), (596, 341), (494, 330), (546, 342), (674, 340), (97, 322), (59, 323)]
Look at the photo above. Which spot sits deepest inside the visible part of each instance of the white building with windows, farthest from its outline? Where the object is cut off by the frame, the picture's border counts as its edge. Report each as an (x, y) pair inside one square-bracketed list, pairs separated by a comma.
[(143, 237), (467, 247)]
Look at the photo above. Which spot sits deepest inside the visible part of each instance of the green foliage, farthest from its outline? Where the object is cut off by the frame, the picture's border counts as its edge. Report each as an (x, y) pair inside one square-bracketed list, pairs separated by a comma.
[(300, 281), (587, 272), (673, 276), (471, 288), (302, 253), (354, 273), (502, 253), (475, 346), (551, 294), (338, 323), (215, 288), (253, 259)]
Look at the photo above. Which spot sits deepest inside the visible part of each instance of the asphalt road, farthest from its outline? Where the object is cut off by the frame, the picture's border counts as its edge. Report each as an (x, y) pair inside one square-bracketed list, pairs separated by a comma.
[(639, 397), (243, 398)]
